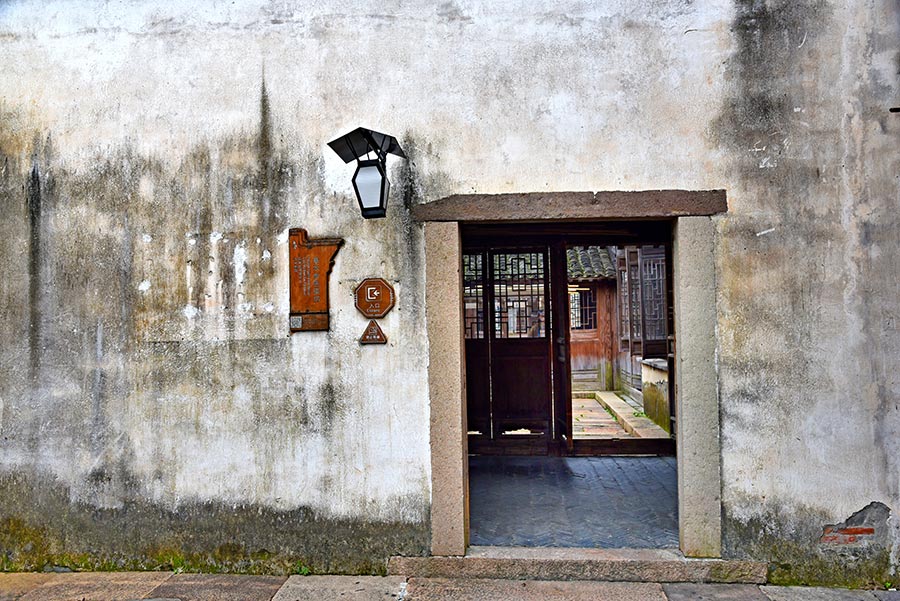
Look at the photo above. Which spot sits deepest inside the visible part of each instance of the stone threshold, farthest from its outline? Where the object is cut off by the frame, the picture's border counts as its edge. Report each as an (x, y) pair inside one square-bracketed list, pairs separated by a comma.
[(610, 565)]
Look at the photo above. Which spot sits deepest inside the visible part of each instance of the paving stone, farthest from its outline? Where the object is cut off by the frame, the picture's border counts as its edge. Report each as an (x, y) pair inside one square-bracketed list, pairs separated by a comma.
[(349, 588), (445, 589), (605, 502), (14, 585), (97, 586), (713, 592), (218, 587), (887, 595), (800, 593), (591, 421)]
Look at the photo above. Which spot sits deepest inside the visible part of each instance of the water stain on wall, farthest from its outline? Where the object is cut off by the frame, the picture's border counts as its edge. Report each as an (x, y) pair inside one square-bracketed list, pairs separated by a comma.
[(152, 371)]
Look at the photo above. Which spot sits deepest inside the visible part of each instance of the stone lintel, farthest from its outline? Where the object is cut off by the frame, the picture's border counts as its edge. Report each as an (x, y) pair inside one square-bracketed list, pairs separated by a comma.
[(541, 206)]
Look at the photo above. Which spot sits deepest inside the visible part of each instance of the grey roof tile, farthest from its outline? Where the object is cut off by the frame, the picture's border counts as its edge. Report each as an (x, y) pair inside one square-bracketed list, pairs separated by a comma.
[(590, 263)]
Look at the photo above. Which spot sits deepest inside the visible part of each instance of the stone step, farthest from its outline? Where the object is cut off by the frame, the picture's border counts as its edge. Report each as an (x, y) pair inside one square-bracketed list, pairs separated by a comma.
[(586, 385), (583, 394), (610, 565), (641, 427), (585, 375)]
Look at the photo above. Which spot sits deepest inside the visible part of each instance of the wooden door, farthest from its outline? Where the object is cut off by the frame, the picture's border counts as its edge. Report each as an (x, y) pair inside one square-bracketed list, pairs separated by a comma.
[(478, 358), (561, 355), (521, 394), (506, 296)]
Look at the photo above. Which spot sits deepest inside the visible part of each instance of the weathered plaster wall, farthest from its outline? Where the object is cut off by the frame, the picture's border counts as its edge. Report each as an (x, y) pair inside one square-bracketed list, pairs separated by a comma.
[(148, 377), (147, 182), (655, 392), (808, 300)]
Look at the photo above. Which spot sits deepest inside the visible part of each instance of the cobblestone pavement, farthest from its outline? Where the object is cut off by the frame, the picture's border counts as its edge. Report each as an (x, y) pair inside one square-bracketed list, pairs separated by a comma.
[(105, 586), (603, 502)]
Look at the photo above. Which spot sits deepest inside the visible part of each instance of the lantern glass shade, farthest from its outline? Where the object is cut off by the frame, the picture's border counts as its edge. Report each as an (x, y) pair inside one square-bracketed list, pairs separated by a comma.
[(372, 187)]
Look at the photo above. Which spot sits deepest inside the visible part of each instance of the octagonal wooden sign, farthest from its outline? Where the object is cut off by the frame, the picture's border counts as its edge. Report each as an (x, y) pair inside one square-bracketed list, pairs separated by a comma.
[(374, 298)]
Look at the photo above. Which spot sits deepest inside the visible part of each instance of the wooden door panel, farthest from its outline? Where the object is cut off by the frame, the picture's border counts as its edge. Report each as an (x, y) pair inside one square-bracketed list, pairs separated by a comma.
[(508, 347), (521, 396), (521, 387), (478, 386), (478, 375)]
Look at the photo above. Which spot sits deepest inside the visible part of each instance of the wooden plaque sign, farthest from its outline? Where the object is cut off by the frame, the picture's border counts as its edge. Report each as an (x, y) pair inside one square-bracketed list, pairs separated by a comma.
[(311, 262), (373, 334), (374, 298)]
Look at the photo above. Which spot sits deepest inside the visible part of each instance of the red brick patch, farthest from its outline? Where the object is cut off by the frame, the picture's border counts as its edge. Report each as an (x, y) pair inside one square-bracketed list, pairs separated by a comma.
[(845, 536)]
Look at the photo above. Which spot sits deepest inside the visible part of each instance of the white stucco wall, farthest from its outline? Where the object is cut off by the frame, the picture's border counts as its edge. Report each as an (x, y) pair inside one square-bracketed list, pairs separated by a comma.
[(785, 106)]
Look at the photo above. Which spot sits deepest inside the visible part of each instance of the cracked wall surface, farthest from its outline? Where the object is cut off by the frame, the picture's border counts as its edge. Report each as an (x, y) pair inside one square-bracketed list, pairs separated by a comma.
[(153, 157)]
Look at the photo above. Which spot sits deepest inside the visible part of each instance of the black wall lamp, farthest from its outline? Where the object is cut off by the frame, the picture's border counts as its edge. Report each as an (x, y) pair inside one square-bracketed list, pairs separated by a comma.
[(370, 181)]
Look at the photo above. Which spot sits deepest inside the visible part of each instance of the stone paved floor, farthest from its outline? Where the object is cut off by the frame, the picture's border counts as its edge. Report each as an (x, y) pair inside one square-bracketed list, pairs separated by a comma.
[(605, 502), (105, 586), (591, 421)]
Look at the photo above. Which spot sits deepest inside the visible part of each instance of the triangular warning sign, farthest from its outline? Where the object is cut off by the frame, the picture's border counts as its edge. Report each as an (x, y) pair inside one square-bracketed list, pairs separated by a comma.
[(373, 334)]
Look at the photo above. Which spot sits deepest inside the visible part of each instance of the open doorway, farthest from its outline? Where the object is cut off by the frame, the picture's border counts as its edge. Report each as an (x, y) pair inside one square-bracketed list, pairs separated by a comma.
[(689, 218), (619, 346), (565, 327), (561, 449)]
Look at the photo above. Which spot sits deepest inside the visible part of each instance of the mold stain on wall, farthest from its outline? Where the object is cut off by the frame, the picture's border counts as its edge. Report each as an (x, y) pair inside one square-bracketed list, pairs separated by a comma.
[(798, 285), (147, 376), (150, 383)]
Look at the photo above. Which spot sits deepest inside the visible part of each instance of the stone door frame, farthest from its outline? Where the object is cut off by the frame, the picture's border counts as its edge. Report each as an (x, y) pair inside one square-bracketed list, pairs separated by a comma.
[(696, 386)]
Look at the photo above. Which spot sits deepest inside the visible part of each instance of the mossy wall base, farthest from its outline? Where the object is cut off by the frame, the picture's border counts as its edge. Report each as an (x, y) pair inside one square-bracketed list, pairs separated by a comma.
[(41, 529), (792, 543)]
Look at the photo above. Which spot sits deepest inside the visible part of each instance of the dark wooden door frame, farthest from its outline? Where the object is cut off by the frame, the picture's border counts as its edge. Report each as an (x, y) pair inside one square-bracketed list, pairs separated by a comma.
[(562, 380)]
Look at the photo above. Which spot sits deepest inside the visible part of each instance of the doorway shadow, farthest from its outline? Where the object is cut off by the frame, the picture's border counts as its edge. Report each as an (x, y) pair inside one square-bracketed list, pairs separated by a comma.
[(595, 502)]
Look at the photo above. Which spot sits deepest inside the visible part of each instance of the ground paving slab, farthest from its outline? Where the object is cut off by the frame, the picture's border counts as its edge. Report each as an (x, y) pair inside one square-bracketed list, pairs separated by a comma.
[(344, 588), (14, 585), (96, 586), (591, 421), (800, 593), (166, 586), (713, 592), (218, 587), (597, 502), (448, 589)]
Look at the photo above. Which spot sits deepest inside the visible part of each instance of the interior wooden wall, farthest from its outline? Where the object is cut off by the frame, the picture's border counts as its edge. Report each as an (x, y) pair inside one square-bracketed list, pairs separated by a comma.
[(595, 349)]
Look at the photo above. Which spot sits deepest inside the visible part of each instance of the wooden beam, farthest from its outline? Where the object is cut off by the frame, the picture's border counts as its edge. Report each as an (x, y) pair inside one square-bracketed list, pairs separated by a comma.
[(581, 447), (623, 446), (574, 206)]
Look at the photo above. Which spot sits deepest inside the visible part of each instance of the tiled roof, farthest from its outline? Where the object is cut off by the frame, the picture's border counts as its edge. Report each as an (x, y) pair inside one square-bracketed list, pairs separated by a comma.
[(590, 263)]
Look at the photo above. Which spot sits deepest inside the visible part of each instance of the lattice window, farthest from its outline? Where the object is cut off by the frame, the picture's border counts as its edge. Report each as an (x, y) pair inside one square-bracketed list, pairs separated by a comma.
[(582, 309), (642, 299), (653, 291), (473, 295), (634, 292), (624, 309), (519, 295)]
